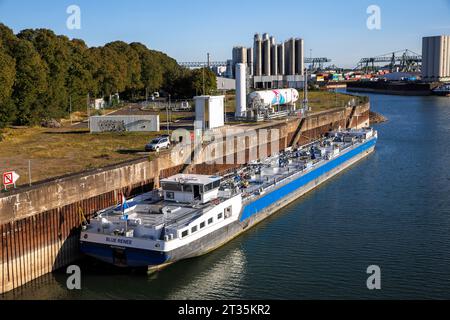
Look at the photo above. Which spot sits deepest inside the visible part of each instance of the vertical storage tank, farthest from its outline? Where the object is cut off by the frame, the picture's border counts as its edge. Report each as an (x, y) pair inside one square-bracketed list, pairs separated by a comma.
[(292, 56), (266, 56), (274, 60), (250, 57), (281, 59), (257, 51), (299, 57), (241, 90)]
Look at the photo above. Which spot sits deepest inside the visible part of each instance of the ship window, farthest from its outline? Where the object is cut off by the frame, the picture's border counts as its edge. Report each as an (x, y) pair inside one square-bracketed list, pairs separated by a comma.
[(185, 233), (187, 188), (170, 195), (172, 187), (208, 187), (220, 216), (202, 225), (210, 221), (194, 229), (216, 184)]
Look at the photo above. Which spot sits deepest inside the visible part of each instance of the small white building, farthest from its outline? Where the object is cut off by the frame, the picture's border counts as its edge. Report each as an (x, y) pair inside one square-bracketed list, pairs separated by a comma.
[(98, 104), (210, 111), (133, 123)]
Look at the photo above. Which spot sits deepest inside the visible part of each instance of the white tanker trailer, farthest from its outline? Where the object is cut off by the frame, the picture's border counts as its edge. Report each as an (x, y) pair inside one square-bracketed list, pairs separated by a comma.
[(273, 97)]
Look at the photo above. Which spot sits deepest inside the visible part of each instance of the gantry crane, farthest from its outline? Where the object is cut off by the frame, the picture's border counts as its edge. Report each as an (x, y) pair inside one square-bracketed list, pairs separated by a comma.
[(404, 60)]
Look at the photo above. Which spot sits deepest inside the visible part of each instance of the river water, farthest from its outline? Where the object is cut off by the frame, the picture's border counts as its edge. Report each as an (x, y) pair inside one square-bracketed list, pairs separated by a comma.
[(391, 210)]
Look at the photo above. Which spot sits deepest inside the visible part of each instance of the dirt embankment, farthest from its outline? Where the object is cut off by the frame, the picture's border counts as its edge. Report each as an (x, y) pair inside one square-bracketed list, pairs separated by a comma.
[(376, 118)]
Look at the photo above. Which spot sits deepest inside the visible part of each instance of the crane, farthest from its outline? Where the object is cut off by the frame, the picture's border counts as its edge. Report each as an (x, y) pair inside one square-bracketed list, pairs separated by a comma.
[(406, 60), (315, 62)]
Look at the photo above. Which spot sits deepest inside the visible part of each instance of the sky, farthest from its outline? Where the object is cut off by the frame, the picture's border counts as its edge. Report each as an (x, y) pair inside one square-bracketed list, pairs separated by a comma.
[(188, 29)]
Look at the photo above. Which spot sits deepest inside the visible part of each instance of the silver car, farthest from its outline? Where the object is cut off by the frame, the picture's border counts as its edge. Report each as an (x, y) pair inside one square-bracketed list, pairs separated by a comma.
[(158, 144)]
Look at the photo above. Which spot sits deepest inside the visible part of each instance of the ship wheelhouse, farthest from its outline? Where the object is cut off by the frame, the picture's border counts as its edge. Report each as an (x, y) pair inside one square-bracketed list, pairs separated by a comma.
[(191, 188)]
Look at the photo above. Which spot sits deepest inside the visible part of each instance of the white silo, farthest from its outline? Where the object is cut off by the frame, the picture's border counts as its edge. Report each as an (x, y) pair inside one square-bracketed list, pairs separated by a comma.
[(281, 59), (273, 41), (257, 51), (274, 60), (266, 56), (250, 61), (299, 57), (288, 58), (292, 59), (241, 90)]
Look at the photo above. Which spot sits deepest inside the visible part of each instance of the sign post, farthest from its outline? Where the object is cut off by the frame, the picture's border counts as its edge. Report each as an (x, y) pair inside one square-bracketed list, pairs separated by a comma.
[(10, 179)]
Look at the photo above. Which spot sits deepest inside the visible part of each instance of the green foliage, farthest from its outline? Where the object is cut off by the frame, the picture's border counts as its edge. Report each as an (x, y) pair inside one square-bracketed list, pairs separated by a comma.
[(55, 53), (203, 79), (41, 72), (152, 72), (30, 86), (7, 76), (80, 79)]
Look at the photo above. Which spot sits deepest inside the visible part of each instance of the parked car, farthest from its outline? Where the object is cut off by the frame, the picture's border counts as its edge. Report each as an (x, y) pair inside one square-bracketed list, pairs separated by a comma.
[(158, 144)]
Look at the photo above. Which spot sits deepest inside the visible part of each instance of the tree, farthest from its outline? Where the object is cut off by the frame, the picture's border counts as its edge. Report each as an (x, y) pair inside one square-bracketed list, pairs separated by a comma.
[(80, 77), (130, 67), (203, 79), (152, 71), (54, 52), (41, 71), (30, 87), (7, 39), (7, 77), (111, 72)]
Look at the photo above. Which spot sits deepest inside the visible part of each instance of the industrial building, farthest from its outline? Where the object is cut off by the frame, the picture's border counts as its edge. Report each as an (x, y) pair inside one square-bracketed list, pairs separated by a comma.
[(241, 55), (225, 84), (271, 64), (436, 58)]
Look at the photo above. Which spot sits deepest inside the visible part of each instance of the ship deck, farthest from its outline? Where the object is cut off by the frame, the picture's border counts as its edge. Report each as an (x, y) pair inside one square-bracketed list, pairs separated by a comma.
[(153, 213), (252, 181)]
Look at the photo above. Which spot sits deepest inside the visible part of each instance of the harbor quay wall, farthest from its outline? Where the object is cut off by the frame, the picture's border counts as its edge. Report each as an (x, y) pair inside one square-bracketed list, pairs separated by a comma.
[(40, 225)]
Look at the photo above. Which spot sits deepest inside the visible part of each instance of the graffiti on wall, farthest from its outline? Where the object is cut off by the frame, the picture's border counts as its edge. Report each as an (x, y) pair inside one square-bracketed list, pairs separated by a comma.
[(112, 126)]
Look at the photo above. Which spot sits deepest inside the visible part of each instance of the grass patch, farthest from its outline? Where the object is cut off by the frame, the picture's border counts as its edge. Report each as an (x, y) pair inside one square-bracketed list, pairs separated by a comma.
[(326, 100), (56, 152)]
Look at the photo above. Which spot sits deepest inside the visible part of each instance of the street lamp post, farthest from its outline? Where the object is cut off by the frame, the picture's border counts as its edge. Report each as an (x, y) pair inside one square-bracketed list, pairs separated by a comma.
[(168, 124), (203, 74), (70, 109)]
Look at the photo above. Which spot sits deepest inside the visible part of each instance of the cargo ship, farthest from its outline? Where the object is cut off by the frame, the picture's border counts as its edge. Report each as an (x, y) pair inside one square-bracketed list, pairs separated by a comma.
[(191, 215), (392, 87), (443, 90)]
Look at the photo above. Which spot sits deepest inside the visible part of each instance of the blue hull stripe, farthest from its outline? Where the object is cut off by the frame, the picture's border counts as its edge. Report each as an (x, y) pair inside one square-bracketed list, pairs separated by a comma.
[(134, 257), (262, 203)]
